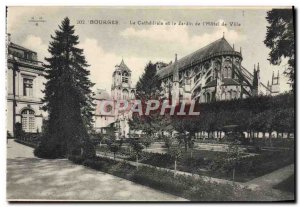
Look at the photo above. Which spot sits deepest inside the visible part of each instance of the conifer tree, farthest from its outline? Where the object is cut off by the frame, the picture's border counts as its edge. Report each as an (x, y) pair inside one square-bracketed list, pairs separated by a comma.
[(68, 98)]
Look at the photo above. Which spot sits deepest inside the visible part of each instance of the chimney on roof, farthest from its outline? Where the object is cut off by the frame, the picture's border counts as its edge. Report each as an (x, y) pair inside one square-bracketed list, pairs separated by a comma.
[(223, 35), (175, 57), (233, 46)]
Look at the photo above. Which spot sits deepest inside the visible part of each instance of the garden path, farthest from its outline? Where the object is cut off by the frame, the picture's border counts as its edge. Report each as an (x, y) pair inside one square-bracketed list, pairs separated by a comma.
[(274, 178), (31, 178)]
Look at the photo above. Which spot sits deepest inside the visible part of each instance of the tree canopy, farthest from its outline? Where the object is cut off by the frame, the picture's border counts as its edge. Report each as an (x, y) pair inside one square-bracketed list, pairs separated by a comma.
[(280, 38)]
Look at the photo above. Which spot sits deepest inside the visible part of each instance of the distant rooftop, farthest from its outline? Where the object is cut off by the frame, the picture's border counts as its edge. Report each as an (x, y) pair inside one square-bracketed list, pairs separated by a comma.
[(123, 66), (102, 94), (219, 46)]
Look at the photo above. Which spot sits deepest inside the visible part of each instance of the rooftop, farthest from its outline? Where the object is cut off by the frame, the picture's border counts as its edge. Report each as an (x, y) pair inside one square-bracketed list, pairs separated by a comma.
[(102, 94), (20, 47), (217, 47), (123, 66)]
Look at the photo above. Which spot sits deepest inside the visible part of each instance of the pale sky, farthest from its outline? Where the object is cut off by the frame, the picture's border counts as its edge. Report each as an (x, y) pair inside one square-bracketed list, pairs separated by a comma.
[(105, 45)]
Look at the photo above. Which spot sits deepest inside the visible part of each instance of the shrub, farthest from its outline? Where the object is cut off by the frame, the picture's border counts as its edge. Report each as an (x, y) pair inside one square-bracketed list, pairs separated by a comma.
[(50, 151), (76, 159)]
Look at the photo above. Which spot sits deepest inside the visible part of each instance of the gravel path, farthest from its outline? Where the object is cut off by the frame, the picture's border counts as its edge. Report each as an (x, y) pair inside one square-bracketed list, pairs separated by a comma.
[(274, 178), (30, 178)]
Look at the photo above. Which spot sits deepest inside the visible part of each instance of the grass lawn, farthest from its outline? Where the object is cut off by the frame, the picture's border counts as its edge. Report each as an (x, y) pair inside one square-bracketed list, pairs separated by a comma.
[(287, 185)]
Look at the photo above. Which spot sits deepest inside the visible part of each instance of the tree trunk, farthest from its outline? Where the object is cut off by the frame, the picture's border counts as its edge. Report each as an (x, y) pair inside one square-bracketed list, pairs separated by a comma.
[(270, 139), (137, 161), (175, 167), (114, 156), (233, 174)]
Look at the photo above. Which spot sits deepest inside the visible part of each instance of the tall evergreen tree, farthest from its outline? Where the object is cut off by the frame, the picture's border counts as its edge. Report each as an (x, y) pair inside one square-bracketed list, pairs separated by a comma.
[(68, 97)]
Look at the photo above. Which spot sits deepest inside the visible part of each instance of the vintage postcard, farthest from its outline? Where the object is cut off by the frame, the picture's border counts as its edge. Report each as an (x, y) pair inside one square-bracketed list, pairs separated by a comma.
[(164, 104)]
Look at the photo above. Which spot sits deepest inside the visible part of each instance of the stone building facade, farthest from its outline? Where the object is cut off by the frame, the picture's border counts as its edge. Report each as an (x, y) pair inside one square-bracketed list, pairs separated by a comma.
[(25, 78)]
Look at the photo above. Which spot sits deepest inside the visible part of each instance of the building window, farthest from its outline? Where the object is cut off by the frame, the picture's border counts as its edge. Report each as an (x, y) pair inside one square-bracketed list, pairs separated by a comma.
[(27, 87), (28, 120)]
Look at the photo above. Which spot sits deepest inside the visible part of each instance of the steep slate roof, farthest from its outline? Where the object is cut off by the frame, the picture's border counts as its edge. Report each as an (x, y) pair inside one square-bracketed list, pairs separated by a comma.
[(123, 66), (218, 46)]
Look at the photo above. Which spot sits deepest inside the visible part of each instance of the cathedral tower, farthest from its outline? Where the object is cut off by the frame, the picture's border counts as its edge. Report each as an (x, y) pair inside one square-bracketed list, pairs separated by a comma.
[(122, 88)]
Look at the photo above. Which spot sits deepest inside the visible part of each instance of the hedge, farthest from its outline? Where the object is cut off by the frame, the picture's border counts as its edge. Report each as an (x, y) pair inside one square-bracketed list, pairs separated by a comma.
[(254, 114)]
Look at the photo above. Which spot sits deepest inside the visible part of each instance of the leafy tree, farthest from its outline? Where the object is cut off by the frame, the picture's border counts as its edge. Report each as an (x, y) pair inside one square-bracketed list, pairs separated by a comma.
[(230, 161), (175, 150), (114, 146), (148, 88), (280, 39), (147, 141), (167, 140), (68, 98), (233, 156), (111, 133), (191, 146), (186, 128), (137, 148)]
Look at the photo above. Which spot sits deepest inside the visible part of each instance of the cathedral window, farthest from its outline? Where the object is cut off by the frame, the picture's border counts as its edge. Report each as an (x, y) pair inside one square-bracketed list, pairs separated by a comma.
[(225, 72), (207, 97), (187, 73), (229, 73)]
